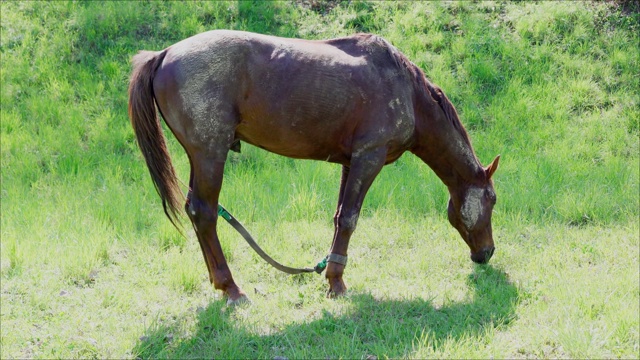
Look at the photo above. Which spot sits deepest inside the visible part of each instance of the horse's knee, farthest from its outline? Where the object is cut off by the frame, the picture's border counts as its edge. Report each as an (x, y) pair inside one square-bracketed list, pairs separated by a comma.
[(347, 222), (190, 208), (199, 211)]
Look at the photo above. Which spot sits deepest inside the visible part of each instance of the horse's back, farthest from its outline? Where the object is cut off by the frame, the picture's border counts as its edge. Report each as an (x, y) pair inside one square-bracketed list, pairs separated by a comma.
[(219, 55)]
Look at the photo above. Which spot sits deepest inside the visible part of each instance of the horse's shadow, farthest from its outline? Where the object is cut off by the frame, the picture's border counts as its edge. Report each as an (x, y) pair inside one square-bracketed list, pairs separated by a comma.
[(390, 328)]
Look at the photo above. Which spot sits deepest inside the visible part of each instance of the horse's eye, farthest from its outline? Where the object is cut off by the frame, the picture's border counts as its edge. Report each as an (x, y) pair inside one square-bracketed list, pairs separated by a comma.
[(491, 196)]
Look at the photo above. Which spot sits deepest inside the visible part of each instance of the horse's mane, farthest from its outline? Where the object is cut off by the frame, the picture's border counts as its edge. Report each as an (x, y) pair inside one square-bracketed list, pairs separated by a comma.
[(425, 88)]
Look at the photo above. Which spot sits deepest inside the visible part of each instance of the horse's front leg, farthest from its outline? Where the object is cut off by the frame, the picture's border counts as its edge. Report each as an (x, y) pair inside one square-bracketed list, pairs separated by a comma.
[(202, 209), (355, 183)]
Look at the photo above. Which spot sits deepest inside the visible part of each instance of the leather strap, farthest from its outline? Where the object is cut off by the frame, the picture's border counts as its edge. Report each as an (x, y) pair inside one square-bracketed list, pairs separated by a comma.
[(245, 234), (338, 259)]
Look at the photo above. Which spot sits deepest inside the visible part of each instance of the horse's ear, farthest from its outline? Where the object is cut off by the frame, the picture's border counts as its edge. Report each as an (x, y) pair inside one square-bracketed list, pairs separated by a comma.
[(492, 167)]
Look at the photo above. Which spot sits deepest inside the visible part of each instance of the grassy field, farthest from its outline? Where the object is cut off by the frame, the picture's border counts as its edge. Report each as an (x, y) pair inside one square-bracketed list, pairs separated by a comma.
[(90, 268)]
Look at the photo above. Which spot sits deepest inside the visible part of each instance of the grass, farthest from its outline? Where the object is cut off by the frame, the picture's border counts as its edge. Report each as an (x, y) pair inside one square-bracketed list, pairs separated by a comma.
[(91, 268)]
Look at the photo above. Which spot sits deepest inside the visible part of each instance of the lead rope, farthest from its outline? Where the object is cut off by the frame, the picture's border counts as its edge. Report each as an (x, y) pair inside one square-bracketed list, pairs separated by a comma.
[(319, 268)]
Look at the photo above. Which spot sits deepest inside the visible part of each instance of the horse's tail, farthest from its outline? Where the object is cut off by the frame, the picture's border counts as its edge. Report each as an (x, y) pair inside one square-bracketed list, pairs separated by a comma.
[(151, 140)]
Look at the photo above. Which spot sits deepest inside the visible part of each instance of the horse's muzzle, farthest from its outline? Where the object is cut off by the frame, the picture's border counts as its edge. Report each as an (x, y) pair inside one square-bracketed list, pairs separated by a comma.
[(483, 256)]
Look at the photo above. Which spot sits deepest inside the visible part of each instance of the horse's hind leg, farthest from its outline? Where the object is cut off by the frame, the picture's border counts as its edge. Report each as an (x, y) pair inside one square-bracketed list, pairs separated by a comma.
[(207, 172), (196, 101)]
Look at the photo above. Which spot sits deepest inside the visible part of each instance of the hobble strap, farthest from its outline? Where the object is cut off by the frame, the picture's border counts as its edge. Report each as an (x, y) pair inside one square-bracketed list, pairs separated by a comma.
[(338, 259)]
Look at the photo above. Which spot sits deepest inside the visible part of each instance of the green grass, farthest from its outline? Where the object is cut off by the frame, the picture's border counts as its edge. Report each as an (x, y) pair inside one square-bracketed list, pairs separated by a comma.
[(91, 268)]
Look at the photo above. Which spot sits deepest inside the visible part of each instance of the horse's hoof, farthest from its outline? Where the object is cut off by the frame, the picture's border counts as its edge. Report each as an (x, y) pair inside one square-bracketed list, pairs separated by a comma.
[(243, 299), (336, 291), (335, 295)]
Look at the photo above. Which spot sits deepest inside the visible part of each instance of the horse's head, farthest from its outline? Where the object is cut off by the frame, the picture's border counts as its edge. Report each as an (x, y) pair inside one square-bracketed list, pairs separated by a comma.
[(469, 211)]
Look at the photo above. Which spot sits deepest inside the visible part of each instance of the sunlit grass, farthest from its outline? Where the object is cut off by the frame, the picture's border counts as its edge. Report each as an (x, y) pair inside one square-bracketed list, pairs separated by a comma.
[(91, 268)]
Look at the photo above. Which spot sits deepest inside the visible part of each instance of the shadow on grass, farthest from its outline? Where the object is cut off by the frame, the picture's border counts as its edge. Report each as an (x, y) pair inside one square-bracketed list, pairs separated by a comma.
[(391, 328)]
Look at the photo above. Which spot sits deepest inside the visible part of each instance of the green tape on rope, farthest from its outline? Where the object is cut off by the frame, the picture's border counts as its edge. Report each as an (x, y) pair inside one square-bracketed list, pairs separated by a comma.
[(321, 266), (224, 213)]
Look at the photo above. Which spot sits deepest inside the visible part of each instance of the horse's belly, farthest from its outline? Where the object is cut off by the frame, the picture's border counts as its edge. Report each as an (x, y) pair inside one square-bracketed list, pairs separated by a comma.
[(296, 140), (315, 122)]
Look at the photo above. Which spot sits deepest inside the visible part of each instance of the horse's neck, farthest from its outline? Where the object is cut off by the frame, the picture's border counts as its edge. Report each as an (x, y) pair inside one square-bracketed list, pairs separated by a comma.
[(450, 156), (441, 141)]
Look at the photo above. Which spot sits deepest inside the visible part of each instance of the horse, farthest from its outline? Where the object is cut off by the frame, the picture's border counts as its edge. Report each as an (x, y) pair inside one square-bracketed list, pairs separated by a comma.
[(356, 101)]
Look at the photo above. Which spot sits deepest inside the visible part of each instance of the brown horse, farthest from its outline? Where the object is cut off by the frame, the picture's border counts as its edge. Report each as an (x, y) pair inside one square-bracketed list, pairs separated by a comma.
[(356, 101)]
